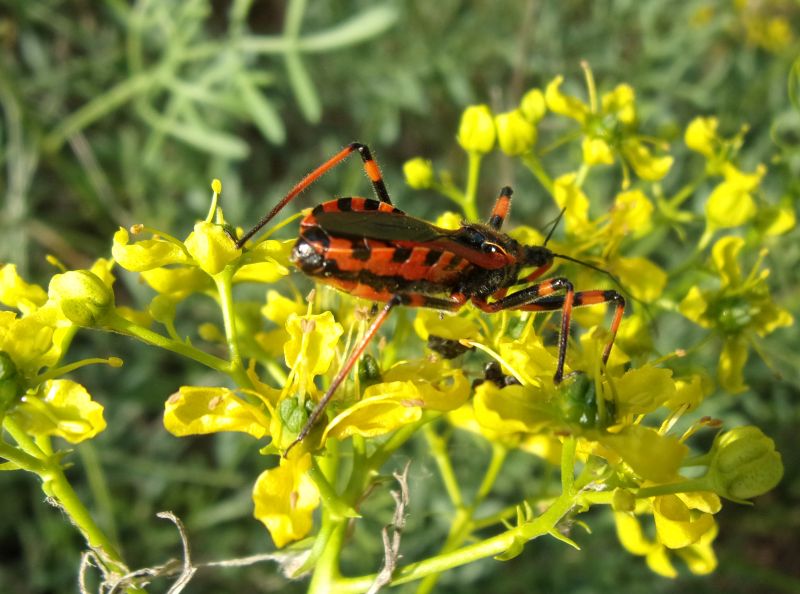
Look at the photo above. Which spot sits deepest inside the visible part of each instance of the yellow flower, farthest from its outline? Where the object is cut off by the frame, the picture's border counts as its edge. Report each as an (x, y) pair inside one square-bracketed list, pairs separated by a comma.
[(285, 499), (62, 408), (641, 159), (211, 247), (265, 262), (621, 102), (739, 310), (651, 455), (476, 133), (195, 410), (631, 214), (562, 104), (533, 105), (16, 293), (596, 151), (682, 520), (312, 343), (642, 390), (145, 254), (731, 203), (701, 136), (568, 194), (418, 173), (676, 520), (515, 134), (406, 391)]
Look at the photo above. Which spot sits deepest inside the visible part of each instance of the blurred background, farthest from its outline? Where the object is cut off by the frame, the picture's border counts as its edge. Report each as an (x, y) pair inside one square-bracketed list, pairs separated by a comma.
[(114, 113)]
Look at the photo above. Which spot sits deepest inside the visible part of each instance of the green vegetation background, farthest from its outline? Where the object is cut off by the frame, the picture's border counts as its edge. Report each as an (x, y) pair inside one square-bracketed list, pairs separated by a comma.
[(116, 113)]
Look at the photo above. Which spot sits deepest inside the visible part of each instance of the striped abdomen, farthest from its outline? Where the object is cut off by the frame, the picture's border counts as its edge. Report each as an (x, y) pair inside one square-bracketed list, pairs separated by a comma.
[(376, 251)]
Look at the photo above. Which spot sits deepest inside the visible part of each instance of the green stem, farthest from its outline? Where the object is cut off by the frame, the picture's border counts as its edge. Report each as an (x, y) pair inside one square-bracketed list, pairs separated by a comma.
[(326, 570), (333, 504), (223, 280), (123, 326), (471, 192), (22, 459), (468, 554), (440, 455), (24, 441), (687, 486), (532, 162)]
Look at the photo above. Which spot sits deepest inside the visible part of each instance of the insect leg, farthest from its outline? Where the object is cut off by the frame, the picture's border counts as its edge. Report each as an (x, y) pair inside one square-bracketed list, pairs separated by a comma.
[(345, 370), (582, 299), (500, 209), (370, 166), (526, 298), (540, 298)]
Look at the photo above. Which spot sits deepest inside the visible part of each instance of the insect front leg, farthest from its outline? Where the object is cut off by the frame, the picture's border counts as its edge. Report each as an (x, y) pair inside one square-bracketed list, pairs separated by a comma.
[(540, 297), (526, 299)]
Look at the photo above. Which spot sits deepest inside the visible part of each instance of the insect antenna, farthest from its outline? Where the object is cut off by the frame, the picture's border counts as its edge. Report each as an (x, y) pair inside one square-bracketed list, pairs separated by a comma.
[(610, 275), (553, 226)]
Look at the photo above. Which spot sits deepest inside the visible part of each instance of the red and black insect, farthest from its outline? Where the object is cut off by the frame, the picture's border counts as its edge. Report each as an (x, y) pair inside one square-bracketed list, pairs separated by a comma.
[(370, 249)]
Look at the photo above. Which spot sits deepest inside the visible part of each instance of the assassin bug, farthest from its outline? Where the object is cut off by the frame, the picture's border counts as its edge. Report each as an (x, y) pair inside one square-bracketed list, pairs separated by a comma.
[(370, 249)]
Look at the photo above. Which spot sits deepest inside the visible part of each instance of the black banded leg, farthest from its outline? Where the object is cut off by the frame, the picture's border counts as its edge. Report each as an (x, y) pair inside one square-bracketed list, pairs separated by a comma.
[(373, 171), (370, 167), (527, 298), (345, 370), (582, 299), (500, 209)]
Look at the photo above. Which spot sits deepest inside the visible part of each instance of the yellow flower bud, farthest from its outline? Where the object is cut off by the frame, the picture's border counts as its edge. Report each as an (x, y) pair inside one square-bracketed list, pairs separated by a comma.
[(476, 133), (211, 247), (83, 298), (744, 463), (533, 105), (701, 135), (419, 173), (596, 151), (515, 135)]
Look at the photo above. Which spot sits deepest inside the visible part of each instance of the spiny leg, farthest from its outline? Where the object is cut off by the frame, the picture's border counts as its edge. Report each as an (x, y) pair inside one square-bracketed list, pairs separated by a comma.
[(540, 298), (370, 166), (525, 298), (582, 299)]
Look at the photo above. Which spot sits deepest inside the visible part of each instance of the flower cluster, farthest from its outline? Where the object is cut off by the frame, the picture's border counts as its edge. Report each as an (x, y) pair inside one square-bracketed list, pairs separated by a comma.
[(611, 426)]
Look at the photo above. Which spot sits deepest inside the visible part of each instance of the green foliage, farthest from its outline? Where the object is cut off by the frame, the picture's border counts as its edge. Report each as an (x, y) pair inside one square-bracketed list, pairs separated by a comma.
[(117, 113)]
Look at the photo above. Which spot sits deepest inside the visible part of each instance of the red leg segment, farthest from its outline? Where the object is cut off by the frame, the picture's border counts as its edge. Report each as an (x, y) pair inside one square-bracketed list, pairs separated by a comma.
[(370, 166)]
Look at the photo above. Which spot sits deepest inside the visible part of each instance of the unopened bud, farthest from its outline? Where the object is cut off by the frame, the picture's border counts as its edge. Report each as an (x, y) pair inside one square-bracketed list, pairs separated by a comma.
[(418, 173), (533, 105), (476, 133), (84, 299), (515, 134), (211, 247)]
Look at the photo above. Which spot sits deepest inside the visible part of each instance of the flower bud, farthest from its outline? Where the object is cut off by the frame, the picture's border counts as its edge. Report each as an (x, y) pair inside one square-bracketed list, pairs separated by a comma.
[(84, 299), (476, 133), (419, 173), (744, 463), (211, 247), (533, 105), (515, 134)]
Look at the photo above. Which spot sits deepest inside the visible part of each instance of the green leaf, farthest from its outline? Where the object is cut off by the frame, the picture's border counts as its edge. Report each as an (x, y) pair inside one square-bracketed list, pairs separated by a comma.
[(303, 88), (365, 25), (264, 115)]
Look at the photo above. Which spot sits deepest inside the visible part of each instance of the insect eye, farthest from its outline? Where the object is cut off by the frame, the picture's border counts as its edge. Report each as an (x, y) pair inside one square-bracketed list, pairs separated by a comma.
[(490, 248)]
